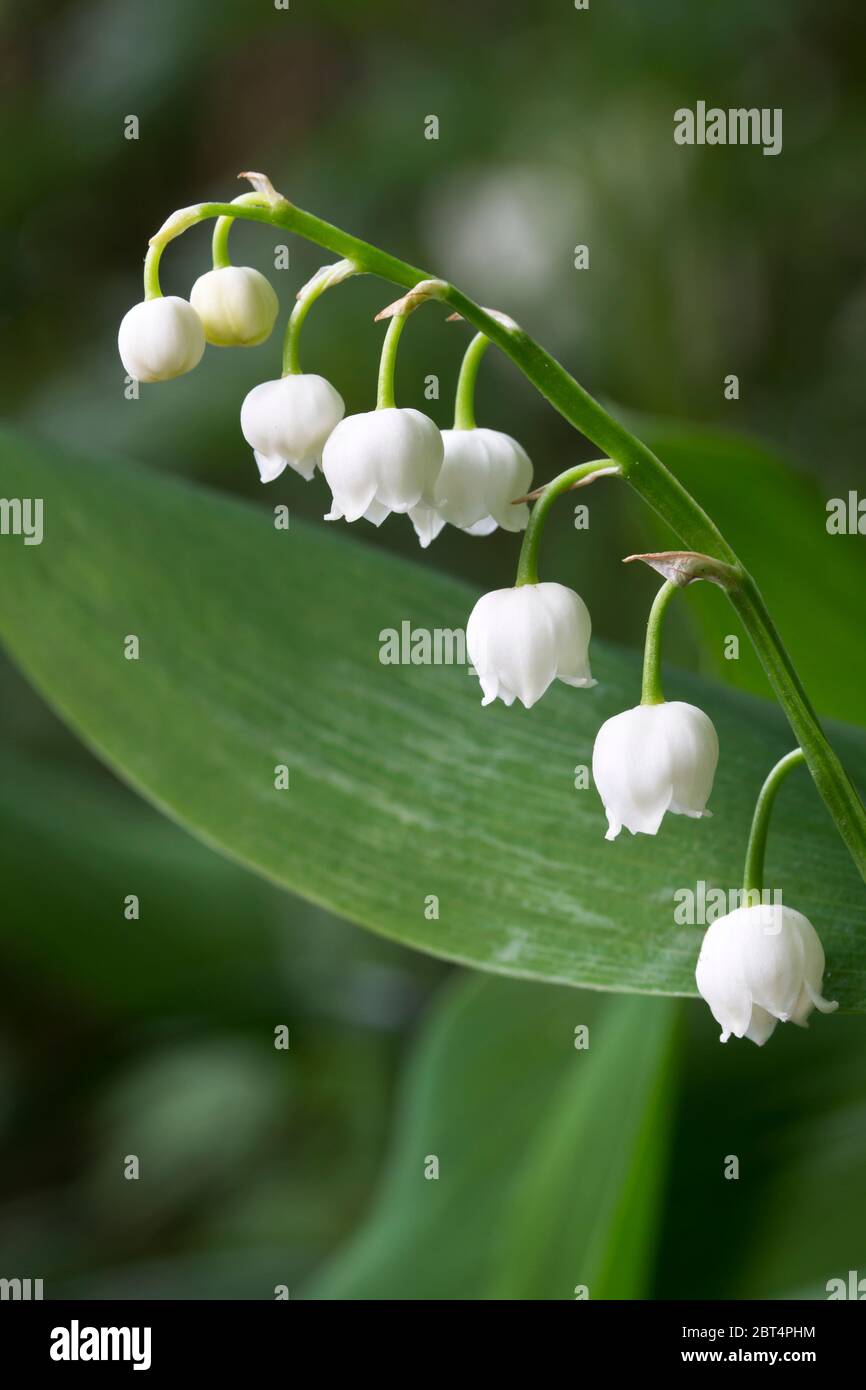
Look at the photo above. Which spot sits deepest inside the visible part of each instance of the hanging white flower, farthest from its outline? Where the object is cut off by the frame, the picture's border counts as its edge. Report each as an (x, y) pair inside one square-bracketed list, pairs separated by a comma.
[(160, 338), (287, 423), (236, 304), (482, 473), (760, 965), (382, 461), (653, 759), (520, 640)]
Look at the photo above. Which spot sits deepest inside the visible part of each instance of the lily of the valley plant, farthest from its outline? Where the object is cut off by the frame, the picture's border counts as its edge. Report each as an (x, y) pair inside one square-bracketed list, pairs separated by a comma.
[(757, 966)]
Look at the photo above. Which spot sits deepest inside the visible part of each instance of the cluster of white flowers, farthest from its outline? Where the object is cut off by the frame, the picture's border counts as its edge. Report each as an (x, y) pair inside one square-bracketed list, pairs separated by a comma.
[(646, 761), (757, 966), (164, 337), (381, 461)]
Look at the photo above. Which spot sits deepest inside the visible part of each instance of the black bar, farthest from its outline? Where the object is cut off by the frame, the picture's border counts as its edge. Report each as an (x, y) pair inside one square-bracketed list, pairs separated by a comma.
[(229, 1337)]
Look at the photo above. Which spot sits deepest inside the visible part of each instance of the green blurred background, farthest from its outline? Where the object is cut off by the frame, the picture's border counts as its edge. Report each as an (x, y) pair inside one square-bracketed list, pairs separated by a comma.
[(555, 130)]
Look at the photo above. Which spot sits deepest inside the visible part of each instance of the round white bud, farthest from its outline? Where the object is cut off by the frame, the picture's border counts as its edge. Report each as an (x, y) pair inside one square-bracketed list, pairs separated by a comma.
[(160, 338), (236, 304)]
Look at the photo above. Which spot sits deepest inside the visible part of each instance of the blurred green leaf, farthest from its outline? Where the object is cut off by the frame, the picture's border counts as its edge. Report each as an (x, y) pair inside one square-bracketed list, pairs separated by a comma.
[(73, 848), (260, 648), (550, 1156), (156, 1037), (194, 1114), (545, 1163), (793, 1114)]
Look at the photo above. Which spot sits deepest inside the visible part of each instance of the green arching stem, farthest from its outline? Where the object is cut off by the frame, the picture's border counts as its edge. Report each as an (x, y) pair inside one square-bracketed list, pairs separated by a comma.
[(527, 565), (464, 400), (151, 273), (292, 340), (753, 873), (388, 363), (220, 244), (651, 688), (639, 465), (323, 280), (248, 205)]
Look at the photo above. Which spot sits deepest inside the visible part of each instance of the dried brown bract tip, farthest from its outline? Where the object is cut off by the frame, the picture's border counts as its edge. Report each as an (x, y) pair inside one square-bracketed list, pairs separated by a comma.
[(608, 470), (687, 566), (419, 294), (262, 184)]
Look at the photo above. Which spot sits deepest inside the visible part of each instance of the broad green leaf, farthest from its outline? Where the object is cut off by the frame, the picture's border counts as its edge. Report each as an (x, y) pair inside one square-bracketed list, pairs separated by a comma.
[(550, 1157), (813, 581), (411, 810), (73, 847)]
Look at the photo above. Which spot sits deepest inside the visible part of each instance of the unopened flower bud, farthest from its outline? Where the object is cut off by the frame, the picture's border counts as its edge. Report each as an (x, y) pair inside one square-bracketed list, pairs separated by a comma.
[(236, 304), (160, 338)]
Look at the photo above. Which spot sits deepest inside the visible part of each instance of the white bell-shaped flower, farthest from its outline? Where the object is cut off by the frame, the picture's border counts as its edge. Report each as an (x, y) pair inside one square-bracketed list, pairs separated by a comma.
[(160, 338), (482, 473), (287, 423), (652, 759), (236, 304), (521, 640), (760, 965), (380, 462)]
